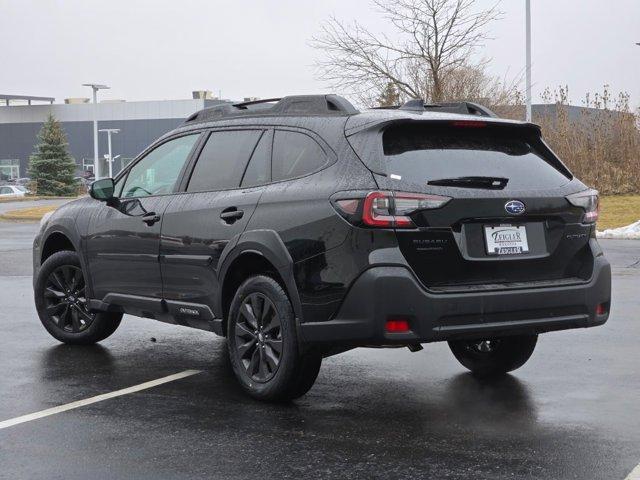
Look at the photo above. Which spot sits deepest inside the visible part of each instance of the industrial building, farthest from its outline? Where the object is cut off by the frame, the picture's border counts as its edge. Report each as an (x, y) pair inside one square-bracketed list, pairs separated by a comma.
[(140, 123)]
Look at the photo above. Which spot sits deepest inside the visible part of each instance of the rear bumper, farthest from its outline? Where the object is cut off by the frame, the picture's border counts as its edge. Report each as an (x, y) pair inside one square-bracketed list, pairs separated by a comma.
[(385, 292)]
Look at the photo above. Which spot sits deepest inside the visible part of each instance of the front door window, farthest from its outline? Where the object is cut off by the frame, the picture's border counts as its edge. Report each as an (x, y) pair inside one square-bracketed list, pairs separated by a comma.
[(158, 171)]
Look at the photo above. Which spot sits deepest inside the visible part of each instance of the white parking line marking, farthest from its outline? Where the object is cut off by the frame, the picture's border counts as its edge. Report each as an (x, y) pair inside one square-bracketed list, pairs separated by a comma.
[(98, 398), (635, 474)]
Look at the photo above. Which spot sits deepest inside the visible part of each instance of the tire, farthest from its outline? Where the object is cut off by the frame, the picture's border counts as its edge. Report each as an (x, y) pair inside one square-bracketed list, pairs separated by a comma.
[(62, 307), (496, 356), (261, 322)]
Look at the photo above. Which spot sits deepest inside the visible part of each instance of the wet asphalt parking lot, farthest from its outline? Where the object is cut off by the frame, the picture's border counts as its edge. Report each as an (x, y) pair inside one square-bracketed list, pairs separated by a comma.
[(573, 411)]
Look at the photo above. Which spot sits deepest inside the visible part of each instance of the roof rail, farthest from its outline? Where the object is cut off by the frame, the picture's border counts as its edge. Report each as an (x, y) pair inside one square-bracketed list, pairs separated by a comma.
[(464, 108), (291, 105), (244, 105)]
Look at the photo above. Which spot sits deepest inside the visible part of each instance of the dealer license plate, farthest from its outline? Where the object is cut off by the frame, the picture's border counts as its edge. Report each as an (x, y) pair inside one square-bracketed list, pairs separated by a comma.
[(506, 239)]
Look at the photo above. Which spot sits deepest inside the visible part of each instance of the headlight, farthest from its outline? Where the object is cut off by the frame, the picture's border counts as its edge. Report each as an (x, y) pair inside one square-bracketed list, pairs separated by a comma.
[(45, 219), (587, 200)]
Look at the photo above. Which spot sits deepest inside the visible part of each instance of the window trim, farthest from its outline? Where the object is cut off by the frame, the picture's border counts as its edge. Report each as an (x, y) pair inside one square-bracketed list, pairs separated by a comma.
[(270, 129), (268, 134), (122, 175), (205, 132)]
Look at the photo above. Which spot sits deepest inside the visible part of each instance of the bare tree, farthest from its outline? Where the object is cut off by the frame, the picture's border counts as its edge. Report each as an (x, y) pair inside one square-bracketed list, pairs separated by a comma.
[(428, 57)]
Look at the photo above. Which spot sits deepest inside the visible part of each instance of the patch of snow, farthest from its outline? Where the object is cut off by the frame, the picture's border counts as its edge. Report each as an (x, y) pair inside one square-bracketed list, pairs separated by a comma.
[(629, 232)]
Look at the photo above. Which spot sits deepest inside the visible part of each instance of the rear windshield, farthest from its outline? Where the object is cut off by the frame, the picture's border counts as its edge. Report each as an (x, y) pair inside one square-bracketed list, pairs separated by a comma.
[(430, 153)]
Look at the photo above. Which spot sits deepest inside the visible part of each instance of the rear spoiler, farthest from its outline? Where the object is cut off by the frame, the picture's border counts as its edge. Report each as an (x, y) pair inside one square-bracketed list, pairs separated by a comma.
[(444, 120), (462, 108)]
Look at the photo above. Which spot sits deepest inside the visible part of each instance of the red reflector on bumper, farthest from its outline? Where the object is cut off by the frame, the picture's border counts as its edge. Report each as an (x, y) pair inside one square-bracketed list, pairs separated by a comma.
[(397, 326), (601, 309)]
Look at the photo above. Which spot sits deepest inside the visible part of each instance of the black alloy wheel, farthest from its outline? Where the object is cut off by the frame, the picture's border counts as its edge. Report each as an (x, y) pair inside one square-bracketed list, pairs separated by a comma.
[(259, 337), (65, 300), (265, 354)]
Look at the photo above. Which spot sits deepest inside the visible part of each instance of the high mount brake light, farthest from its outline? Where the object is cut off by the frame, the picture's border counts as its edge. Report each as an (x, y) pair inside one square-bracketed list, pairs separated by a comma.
[(589, 202), (468, 124), (384, 209)]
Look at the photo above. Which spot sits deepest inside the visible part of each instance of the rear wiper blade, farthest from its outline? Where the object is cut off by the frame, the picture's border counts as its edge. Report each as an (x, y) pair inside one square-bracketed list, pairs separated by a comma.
[(490, 183)]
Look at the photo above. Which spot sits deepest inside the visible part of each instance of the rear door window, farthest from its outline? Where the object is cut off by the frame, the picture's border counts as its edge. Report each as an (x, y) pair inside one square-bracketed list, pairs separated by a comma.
[(422, 154), (223, 160), (295, 154)]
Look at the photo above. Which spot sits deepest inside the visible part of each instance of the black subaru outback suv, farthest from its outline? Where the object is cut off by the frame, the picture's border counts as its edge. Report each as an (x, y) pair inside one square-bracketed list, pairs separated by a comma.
[(301, 227)]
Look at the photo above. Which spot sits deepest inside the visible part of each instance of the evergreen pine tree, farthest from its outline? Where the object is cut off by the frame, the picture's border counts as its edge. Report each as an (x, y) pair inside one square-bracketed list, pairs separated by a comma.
[(51, 168), (390, 96)]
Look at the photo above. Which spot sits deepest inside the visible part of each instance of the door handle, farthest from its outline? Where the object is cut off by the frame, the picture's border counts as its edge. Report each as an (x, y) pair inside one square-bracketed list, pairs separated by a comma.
[(231, 214), (151, 218)]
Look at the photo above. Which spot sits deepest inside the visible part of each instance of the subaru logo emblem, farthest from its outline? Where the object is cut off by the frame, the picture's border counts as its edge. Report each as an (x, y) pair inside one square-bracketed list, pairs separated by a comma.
[(514, 207)]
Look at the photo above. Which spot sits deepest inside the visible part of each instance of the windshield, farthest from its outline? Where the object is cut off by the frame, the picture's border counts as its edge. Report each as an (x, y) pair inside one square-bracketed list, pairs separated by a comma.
[(426, 154)]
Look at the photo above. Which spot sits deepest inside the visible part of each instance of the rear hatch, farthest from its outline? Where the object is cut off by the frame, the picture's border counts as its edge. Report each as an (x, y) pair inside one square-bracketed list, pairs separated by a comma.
[(508, 223)]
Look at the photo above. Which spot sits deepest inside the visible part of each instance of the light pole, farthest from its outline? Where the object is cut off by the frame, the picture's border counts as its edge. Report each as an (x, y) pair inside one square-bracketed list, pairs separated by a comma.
[(528, 59), (110, 160), (96, 163)]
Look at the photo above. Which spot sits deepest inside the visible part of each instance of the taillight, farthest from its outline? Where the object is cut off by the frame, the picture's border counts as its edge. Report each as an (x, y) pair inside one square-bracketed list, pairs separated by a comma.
[(349, 206), (588, 201), (378, 210), (383, 209)]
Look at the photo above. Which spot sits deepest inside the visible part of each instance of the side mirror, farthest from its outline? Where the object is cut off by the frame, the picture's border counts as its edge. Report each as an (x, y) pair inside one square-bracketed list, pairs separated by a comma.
[(102, 189)]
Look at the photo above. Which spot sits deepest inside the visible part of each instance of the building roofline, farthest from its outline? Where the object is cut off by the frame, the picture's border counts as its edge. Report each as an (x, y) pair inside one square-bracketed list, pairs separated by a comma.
[(29, 98)]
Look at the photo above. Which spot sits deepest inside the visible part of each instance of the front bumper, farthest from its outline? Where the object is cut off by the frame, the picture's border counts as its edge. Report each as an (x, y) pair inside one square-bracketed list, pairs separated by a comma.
[(385, 292)]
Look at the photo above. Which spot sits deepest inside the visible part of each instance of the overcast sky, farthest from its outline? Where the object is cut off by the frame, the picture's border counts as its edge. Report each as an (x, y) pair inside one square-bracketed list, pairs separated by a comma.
[(159, 49)]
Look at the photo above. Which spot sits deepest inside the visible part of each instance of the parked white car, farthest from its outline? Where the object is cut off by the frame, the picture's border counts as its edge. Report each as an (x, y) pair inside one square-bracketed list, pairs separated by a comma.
[(12, 191)]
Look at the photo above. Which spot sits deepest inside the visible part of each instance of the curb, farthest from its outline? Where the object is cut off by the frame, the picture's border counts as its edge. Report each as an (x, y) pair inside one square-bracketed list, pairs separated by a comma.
[(34, 198)]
